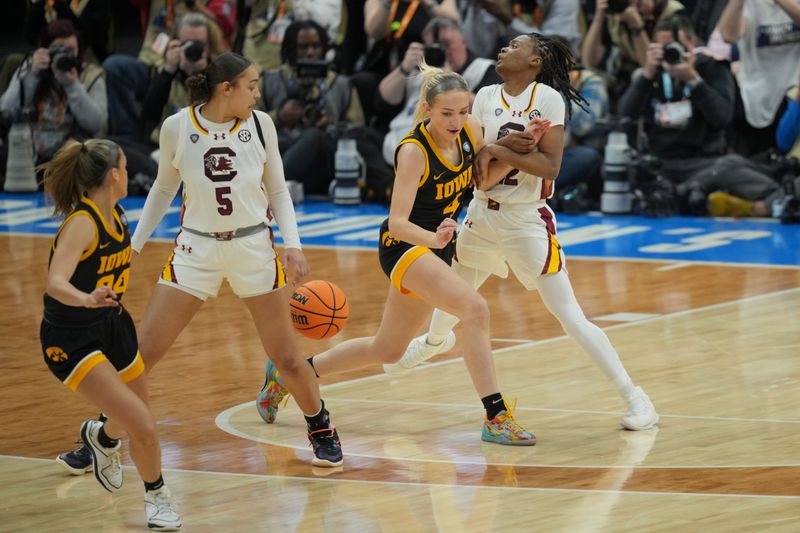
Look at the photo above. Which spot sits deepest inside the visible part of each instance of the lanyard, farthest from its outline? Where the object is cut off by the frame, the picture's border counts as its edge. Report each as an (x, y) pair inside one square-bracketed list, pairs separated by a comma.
[(666, 82), (400, 27)]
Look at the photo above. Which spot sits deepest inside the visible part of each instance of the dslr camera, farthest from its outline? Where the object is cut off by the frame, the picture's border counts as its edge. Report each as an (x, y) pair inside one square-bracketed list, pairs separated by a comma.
[(615, 7), (63, 58), (673, 53), (309, 72), (193, 50), (434, 55)]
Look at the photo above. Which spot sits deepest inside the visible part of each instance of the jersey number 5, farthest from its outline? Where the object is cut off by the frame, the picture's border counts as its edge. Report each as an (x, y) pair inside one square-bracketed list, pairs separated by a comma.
[(225, 204)]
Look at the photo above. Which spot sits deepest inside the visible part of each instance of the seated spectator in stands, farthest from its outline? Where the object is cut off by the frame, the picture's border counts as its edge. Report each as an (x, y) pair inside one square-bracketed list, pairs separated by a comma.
[(92, 20), (269, 20), (549, 17), (129, 78), (399, 90), (686, 99), (310, 105), (62, 96), (768, 39), (628, 25), (187, 53)]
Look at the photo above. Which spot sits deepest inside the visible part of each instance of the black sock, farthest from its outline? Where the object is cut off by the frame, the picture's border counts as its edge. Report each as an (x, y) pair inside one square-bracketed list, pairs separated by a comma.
[(320, 420), (104, 440), (102, 418), (493, 404), (155, 485), (311, 362)]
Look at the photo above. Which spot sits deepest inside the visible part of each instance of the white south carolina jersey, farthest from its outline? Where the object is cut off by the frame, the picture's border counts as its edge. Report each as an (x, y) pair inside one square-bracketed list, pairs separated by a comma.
[(221, 166), (499, 113)]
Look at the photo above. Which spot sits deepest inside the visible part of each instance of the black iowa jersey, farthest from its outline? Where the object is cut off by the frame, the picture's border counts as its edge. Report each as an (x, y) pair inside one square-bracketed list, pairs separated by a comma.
[(443, 183), (106, 262)]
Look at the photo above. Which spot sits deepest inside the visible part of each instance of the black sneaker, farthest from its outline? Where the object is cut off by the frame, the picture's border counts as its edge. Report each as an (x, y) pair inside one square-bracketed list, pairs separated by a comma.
[(326, 446), (77, 462)]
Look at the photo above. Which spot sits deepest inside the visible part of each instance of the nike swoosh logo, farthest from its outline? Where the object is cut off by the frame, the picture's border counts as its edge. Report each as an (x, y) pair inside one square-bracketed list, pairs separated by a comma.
[(436, 178), (496, 402), (105, 245)]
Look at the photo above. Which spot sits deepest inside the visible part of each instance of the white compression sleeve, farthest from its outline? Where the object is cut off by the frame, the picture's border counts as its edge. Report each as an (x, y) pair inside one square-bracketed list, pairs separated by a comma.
[(280, 201), (559, 298), (164, 188), (443, 323)]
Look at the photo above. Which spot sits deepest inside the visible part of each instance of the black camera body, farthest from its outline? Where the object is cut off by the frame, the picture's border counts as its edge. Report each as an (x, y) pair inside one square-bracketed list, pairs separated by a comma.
[(615, 7), (309, 72), (674, 52), (63, 58), (311, 69), (434, 55), (193, 50)]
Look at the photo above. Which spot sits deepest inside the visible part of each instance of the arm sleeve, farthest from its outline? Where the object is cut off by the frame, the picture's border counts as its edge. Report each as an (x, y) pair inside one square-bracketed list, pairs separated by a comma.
[(280, 202), (164, 188), (789, 127)]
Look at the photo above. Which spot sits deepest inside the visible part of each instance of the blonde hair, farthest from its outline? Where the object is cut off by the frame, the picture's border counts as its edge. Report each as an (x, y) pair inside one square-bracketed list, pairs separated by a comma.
[(76, 168), (436, 81)]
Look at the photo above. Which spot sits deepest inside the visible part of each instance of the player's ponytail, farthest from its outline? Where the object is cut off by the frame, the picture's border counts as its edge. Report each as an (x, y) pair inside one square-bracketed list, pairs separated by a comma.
[(557, 63), (436, 81), (77, 168), (226, 67)]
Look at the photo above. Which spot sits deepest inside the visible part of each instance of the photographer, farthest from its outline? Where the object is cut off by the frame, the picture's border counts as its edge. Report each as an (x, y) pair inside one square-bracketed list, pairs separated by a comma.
[(686, 100), (445, 47), (187, 53), (628, 25), (57, 92), (310, 104)]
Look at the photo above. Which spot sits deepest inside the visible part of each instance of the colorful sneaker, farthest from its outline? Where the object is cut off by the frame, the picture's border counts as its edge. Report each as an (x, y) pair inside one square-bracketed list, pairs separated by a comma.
[(107, 470), (162, 513), (503, 429), (641, 412), (270, 395), (326, 445), (77, 462), (418, 351)]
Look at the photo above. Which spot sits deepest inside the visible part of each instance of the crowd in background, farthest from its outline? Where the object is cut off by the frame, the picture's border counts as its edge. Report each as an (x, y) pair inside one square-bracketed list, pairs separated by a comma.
[(707, 91)]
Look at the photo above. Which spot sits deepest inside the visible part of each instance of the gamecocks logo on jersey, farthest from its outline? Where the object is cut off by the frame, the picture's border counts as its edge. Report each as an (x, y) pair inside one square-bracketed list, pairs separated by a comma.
[(218, 164), (534, 114)]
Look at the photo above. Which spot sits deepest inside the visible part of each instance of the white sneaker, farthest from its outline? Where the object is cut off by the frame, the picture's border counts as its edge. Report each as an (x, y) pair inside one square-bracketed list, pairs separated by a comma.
[(162, 513), (641, 413), (107, 469), (418, 351)]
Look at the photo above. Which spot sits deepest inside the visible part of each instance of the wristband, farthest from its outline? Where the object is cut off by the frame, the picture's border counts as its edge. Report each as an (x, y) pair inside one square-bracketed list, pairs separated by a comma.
[(404, 71)]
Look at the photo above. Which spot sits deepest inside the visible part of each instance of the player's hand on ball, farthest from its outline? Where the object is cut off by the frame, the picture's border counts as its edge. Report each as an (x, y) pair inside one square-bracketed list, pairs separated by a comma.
[(296, 265), (102, 297), (444, 233), (536, 128)]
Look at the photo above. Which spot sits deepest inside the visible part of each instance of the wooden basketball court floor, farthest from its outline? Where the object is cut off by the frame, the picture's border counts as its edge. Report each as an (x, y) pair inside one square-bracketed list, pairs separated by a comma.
[(715, 346)]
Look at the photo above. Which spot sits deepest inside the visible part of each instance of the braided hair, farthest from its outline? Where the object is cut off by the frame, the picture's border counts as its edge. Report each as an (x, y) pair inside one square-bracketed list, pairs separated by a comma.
[(557, 62)]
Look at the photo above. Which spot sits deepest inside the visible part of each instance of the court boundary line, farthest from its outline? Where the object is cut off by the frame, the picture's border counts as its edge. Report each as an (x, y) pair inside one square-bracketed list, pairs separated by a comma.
[(442, 485)]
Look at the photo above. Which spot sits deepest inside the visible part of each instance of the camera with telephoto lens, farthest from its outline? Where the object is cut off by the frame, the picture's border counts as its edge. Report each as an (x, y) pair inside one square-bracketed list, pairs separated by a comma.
[(63, 58), (615, 7), (673, 53), (193, 50)]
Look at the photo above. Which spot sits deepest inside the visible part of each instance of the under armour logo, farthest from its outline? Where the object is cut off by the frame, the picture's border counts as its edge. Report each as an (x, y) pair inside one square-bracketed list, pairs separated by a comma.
[(187, 249), (218, 136), (468, 223), (516, 114)]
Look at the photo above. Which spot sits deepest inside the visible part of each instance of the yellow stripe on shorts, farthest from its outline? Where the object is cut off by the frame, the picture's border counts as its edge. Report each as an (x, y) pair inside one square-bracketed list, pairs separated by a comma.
[(75, 378), (399, 270), (133, 370), (554, 264), (168, 274)]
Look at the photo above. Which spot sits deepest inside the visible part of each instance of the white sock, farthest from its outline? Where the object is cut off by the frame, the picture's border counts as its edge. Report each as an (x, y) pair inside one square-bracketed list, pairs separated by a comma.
[(559, 298)]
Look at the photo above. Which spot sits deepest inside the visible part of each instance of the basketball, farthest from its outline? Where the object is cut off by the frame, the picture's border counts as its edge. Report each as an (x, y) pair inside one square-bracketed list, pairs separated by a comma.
[(319, 309)]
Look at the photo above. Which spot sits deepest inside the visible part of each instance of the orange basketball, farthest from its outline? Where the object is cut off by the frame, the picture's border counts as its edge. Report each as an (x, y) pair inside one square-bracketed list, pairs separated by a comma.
[(319, 309)]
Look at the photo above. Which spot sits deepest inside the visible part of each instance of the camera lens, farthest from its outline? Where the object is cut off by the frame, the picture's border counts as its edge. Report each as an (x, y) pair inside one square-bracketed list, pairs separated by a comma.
[(66, 62), (193, 50), (673, 53), (434, 55)]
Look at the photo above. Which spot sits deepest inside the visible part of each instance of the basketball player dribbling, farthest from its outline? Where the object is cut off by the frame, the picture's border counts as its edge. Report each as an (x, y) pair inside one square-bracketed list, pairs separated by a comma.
[(88, 337), (226, 155), (509, 223), (433, 166)]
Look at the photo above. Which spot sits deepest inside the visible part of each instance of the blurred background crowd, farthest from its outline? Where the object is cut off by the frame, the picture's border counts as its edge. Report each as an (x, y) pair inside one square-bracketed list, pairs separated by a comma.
[(702, 94)]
